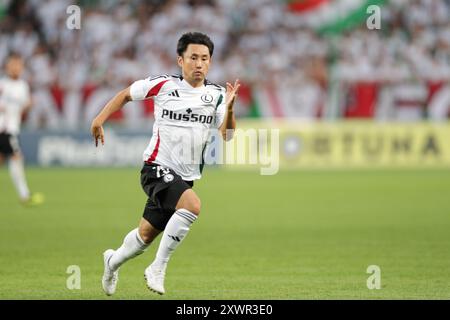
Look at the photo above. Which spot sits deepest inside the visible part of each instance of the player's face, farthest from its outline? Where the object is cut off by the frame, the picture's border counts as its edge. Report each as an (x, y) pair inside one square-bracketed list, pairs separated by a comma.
[(14, 67), (195, 62)]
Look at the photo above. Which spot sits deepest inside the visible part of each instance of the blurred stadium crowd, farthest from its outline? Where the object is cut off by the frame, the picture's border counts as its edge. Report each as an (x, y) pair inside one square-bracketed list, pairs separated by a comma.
[(290, 68)]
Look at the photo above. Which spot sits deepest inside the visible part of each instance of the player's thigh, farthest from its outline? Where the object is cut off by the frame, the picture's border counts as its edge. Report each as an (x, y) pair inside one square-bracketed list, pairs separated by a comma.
[(189, 201), (147, 232), (14, 147)]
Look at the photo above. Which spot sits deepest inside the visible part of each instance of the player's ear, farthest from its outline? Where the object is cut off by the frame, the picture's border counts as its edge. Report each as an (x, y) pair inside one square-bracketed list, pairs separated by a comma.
[(180, 61)]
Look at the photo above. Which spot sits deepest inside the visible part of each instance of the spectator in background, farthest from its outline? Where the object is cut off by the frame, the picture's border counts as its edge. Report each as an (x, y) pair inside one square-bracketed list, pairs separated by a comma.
[(255, 40)]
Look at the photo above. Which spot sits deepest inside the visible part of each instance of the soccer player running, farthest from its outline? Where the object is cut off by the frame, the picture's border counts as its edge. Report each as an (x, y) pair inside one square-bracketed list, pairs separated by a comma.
[(15, 100), (185, 105)]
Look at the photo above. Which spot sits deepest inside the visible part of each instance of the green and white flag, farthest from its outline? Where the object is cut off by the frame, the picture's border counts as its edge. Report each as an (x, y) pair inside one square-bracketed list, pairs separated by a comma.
[(332, 16)]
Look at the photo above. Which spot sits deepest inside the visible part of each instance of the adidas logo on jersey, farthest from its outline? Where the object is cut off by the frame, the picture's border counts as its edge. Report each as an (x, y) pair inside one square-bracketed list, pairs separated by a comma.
[(189, 116), (174, 94)]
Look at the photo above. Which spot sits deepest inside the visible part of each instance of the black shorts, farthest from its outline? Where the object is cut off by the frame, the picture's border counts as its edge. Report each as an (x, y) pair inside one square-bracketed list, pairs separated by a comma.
[(164, 188), (9, 144)]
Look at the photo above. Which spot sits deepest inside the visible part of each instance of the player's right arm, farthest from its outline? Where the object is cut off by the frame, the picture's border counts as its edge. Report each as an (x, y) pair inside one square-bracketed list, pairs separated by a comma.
[(112, 106), (139, 90)]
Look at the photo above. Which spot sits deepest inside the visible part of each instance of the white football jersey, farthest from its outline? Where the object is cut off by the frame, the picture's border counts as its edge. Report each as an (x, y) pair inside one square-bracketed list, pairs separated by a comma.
[(14, 97), (184, 116)]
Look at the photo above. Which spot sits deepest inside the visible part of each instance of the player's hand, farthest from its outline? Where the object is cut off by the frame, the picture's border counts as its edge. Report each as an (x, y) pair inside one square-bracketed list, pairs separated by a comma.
[(232, 92), (97, 133)]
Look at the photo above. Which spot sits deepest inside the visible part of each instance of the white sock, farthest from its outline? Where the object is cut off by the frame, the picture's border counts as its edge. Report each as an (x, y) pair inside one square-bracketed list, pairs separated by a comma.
[(132, 246), (176, 230), (17, 173)]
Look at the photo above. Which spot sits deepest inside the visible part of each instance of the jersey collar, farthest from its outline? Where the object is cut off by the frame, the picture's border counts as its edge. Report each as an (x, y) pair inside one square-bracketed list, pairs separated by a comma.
[(187, 85)]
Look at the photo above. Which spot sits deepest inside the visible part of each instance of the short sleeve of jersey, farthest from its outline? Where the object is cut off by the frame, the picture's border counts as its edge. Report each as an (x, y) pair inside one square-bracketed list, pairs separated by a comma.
[(221, 109), (147, 88)]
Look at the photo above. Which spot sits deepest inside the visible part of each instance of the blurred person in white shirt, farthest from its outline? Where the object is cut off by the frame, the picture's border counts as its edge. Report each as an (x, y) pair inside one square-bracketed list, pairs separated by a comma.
[(15, 100)]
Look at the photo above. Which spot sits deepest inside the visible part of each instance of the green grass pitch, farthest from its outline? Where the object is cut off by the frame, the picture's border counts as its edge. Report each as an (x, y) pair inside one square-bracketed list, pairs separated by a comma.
[(295, 235)]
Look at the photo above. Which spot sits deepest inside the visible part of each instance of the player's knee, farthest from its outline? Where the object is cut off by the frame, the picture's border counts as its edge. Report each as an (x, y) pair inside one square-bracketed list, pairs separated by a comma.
[(190, 201), (146, 237), (194, 205), (146, 232), (17, 156)]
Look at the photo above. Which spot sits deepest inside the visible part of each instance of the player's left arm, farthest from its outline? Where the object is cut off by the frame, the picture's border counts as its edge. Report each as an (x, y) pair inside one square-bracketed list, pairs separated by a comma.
[(28, 100), (28, 105), (229, 122)]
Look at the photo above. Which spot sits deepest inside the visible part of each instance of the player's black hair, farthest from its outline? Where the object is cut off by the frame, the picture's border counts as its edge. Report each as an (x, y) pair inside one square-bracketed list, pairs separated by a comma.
[(14, 55), (194, 38)]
